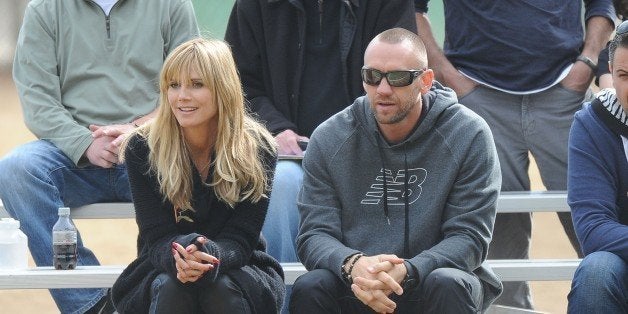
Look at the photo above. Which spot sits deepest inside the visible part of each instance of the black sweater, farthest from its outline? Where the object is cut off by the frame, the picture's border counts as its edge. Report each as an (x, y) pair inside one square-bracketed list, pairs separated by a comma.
[(234, 235), (267, 38)]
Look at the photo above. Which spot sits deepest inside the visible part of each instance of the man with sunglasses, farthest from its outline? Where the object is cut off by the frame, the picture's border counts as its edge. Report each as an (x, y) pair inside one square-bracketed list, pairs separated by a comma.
[(399, 196), (525, 67)]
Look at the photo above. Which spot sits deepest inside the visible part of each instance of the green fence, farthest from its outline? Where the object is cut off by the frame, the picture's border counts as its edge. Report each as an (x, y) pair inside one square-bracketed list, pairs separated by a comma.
[(213, 15)]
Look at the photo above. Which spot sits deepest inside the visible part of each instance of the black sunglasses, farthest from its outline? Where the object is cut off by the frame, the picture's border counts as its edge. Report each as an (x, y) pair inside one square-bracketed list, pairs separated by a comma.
[(395, 78)]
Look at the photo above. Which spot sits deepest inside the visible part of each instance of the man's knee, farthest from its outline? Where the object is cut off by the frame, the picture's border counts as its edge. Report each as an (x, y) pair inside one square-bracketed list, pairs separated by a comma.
[(443, 279), (312, 281), (28, 161), (450, 288), (599, 269)]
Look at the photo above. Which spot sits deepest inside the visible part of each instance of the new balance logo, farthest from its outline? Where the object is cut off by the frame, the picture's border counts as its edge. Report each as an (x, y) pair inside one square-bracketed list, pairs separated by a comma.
[(395, 188)]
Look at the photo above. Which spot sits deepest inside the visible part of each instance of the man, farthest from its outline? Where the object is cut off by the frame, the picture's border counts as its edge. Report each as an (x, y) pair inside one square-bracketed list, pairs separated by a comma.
[(300, 64), (603, 76), (399, 196), (525, 68), (598, 187), (86, 73)]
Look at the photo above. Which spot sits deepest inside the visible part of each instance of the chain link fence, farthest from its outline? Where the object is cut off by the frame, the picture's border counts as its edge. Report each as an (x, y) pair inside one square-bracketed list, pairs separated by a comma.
[(11, 13)]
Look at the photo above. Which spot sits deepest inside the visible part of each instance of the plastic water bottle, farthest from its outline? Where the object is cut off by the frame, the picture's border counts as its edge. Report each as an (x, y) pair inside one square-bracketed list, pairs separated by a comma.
[(13, 245), (64, 241)]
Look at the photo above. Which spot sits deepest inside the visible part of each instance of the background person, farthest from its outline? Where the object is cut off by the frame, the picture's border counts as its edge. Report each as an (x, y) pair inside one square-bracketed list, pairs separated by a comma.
[(603, 77), (399, 196), (200, 176), (525, 67), (300, 64), (86, 75), (597, 192)]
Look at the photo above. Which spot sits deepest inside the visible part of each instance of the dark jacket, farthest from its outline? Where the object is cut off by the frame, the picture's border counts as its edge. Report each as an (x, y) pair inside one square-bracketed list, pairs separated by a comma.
[(598, 176), (233, 233), (267, 39)]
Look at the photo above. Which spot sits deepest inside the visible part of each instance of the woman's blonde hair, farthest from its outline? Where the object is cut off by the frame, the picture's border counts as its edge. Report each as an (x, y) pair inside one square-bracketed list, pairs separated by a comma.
[(239, 172)]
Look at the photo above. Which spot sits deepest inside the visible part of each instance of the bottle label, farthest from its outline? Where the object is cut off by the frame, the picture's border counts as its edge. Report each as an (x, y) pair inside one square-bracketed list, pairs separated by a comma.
[(63, 237)]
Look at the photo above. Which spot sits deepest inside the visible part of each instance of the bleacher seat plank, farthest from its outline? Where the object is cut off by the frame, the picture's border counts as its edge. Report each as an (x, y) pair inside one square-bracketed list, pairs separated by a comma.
[(508, 202), (48, 277), (105, 276)]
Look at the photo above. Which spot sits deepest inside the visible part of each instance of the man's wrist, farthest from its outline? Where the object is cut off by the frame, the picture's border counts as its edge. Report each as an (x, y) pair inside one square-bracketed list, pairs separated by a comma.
[(586, 60), (411, 279), (347, 266)]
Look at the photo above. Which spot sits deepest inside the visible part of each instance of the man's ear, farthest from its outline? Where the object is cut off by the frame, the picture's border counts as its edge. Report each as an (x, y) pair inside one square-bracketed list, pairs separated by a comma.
[(426, 81)]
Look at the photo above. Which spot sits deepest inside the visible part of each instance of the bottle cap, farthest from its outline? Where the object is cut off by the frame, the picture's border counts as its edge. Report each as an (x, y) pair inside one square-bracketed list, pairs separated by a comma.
[(9, 223), (64, 211)]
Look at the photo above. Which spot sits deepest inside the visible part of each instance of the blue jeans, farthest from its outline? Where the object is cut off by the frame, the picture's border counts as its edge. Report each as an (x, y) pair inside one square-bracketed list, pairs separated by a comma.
[(35, 180), (600, 285), (282, 220)]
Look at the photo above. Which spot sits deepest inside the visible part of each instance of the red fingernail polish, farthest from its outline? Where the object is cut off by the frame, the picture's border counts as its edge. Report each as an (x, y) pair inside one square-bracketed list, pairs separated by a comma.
[(174, 245), (217, 262)]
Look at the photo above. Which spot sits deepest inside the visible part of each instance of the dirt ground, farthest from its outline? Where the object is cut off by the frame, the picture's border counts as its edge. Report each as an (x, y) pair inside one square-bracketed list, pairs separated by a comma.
[(113, 241)]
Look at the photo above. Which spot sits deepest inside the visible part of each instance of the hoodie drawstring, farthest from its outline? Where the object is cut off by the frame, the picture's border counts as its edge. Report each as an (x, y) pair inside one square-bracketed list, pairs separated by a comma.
[(381, 157), (406, 229)]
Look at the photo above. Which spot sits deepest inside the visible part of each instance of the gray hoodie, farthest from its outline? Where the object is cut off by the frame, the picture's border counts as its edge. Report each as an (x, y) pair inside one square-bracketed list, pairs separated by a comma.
[(453, 181)]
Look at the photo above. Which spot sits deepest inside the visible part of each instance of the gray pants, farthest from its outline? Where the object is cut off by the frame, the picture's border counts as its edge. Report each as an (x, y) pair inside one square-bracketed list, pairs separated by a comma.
[(536, 123)]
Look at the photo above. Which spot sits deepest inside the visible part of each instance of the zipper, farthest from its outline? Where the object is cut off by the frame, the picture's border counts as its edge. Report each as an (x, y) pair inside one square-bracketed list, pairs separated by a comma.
[(108, 25), (107, 19), (320, 22)]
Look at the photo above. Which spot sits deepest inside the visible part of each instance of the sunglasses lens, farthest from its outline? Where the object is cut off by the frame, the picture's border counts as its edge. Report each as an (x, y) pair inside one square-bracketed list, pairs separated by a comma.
[(399, 78), (394, 78), (371, 76)]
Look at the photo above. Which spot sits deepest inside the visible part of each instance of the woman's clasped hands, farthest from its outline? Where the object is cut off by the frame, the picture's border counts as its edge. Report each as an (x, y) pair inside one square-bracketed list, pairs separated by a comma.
[(191, 262)]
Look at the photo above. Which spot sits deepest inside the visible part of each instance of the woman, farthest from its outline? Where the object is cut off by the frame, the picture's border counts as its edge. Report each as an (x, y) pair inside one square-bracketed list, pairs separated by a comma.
[(200, 177)]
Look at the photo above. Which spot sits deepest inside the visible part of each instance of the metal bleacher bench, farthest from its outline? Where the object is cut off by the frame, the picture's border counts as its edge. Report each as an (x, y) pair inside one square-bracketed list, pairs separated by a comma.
[(105, 275)]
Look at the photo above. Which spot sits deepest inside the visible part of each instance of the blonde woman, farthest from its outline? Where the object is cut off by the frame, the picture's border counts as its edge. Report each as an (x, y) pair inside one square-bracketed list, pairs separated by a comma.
[(200, 177)]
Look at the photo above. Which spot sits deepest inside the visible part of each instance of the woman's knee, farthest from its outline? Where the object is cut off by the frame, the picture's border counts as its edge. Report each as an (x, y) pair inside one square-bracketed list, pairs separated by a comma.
[(168, 295), (224, 296)]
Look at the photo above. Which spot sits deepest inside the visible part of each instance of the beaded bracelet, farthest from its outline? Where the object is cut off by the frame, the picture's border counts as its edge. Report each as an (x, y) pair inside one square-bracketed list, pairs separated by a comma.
[(347, 274)]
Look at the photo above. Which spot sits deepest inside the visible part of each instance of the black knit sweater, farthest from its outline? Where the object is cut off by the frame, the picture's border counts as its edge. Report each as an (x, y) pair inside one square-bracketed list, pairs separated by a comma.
[(233, 233)]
